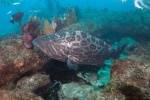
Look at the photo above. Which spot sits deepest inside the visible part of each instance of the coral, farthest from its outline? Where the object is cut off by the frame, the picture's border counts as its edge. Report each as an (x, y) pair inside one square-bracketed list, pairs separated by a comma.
[(33, 82), (29, 32), (48, 28), (39, 30), (59, 23), (30, 26), (28, 40)]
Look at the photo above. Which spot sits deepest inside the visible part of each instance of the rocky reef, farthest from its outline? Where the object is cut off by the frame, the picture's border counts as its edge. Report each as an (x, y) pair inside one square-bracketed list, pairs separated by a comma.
[(16, 60), (131, 75), (73, 91), (132, 22), (30, 73), (32, 83), (131, 78), (114, 25), (18, 94)]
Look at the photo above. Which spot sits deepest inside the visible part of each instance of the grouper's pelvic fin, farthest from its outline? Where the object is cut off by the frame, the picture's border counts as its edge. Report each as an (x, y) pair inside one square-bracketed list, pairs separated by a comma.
[(116, 52), (70, 64)]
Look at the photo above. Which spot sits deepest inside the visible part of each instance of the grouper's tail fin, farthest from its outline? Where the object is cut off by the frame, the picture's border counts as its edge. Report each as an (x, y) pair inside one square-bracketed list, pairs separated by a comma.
[(116, 52)]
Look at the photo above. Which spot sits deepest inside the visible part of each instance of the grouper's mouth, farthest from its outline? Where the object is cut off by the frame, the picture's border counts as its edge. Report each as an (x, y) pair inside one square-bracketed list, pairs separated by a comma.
[(37, 43)]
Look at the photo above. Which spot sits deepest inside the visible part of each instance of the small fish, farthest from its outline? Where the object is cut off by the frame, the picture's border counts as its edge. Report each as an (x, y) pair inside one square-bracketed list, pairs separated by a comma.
[(77, 48), (16, 3), (136, 3), (141, 4), (9, 12), (16, 17), (34, 11)]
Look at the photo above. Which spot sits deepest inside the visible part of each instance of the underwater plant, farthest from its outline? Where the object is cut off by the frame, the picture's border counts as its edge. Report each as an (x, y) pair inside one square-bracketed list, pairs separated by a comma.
[(48, 28)]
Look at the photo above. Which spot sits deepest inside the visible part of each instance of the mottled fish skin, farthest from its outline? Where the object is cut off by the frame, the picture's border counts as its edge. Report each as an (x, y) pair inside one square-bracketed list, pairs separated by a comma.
[(82, 48)]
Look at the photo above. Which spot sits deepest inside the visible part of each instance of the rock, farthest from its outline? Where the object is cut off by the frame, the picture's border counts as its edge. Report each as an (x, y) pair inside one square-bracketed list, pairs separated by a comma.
[(18, 95), (97, 83), (15, 59), (33, 82), (130, 45), (74, 91), (133, 23), (132, 78), (93, 79)]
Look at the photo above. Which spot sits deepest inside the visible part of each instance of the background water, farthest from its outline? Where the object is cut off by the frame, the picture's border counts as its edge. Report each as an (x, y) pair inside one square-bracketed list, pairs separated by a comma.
[(117, 23), (26, 6)]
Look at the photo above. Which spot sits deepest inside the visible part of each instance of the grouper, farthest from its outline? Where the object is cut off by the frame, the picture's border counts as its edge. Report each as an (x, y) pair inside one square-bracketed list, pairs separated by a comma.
[(77, 48)]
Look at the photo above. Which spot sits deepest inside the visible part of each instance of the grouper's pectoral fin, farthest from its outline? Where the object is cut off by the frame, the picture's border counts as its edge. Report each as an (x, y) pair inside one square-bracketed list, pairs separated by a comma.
[(70, 63)]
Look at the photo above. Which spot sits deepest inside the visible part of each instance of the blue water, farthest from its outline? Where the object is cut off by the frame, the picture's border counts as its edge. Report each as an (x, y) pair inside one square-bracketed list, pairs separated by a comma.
[(26, 6), (103, 18)]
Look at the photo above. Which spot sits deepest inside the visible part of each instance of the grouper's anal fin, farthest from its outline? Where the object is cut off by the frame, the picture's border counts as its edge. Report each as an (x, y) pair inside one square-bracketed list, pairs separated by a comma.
[(116, 52)]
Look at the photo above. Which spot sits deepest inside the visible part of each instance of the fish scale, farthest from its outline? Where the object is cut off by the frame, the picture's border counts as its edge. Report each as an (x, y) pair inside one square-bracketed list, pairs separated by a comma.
[(76, 48)]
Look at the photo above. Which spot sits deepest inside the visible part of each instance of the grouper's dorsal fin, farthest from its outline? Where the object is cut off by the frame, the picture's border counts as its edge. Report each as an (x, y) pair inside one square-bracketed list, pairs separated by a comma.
[(109, 42)]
